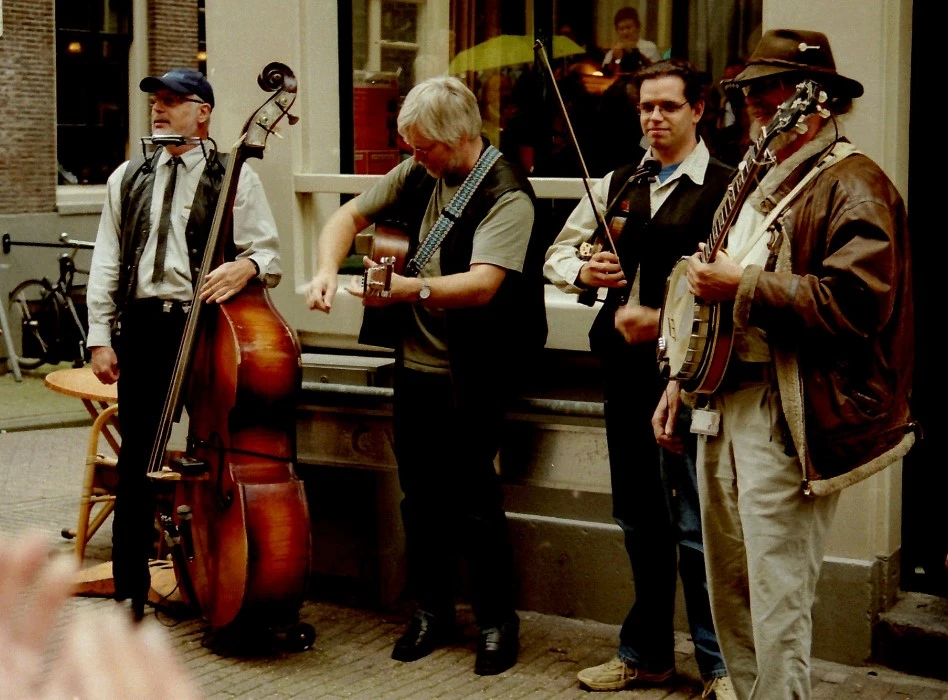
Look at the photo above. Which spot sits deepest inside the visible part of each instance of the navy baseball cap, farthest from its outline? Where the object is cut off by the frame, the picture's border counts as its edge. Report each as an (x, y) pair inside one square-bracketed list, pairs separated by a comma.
[(183, 81)]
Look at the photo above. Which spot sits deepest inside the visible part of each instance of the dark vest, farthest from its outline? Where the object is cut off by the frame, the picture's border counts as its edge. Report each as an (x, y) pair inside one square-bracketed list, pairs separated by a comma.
[(653, 246), (137, 185), (485, 343)]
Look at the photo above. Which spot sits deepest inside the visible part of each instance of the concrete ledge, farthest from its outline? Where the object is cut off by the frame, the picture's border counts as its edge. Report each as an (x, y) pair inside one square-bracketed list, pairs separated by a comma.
[(912, 636)]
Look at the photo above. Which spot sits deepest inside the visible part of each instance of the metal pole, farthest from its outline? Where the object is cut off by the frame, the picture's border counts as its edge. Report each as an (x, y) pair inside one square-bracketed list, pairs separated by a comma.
[(5, 331)]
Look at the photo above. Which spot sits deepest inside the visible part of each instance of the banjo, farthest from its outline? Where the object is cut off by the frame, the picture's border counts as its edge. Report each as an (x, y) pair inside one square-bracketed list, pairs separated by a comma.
[(695, 338)]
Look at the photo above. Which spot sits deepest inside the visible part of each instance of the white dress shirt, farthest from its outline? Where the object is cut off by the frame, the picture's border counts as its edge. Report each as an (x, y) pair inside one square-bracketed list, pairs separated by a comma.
[(563, 263), (255, 237)]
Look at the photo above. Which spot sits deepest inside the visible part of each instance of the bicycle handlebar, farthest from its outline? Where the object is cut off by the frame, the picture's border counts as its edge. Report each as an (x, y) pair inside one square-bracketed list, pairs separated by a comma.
[(64, 242)]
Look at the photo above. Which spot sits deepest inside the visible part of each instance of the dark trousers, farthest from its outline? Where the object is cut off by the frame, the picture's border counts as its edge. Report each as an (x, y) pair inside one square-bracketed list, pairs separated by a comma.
[(147, 348), (445, 443), (632, 389)]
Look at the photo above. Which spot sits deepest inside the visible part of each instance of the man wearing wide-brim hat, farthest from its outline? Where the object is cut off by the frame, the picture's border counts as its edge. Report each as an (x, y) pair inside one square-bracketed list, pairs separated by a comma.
[(815, 396)]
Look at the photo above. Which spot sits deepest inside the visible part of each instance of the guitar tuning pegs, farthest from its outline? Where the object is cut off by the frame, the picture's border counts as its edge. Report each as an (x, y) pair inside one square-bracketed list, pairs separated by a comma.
[(292, 119), (800, 128), (824, 113)]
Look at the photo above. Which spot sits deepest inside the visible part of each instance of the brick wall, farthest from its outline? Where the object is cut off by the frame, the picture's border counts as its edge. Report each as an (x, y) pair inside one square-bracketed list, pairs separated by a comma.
[(27, 107), (173, 35), (28, 96)]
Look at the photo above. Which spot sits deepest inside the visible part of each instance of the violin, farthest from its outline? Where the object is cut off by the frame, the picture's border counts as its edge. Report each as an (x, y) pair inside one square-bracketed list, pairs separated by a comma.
[(233, 508), (609, 225)]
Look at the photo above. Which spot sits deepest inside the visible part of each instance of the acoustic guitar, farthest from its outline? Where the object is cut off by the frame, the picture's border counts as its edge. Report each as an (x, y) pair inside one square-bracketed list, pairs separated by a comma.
[(389, 249), (694, 345)]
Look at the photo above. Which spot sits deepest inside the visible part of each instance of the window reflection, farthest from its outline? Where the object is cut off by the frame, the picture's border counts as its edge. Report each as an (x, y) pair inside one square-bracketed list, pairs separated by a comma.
[(593, 48)]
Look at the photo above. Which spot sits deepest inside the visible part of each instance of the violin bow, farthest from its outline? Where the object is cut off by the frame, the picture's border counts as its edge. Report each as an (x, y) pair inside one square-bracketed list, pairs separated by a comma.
[(600, 218)]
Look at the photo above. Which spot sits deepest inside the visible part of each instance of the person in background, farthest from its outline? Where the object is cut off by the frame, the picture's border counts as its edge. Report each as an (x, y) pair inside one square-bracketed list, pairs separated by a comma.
[(823, 330), (630, 51), (663, 219), (467, 320), (148, 250)]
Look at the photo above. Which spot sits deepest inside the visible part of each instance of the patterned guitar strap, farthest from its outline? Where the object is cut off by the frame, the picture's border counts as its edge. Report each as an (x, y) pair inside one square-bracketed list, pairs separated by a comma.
[(452, 212)]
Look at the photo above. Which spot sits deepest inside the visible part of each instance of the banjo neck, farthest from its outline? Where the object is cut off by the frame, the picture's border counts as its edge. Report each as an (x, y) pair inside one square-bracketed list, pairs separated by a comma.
[(755, 163), (758, 160)]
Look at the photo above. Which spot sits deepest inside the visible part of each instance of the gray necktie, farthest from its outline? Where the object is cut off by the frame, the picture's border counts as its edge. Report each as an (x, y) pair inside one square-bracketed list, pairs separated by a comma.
[(164, 222)]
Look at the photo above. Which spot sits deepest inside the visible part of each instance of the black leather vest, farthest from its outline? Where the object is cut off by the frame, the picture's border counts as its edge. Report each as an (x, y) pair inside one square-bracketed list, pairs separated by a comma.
[(137, 185), (485, 343), (652, 246)]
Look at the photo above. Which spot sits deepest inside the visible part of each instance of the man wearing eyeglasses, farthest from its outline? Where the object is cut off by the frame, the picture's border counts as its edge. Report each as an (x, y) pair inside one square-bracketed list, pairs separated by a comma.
[(815, 395), (654, 494), (469, 320), (149, 247)]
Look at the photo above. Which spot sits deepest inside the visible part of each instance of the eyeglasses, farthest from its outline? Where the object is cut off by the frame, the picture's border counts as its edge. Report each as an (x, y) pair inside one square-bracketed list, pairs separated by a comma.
[(422, 152), (171, 101), (761, 85), (646, 109)]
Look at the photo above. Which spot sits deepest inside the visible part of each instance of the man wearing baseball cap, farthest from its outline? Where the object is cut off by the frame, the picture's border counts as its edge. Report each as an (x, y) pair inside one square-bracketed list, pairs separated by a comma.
[(181, 81), (148, 253), (815, 396)]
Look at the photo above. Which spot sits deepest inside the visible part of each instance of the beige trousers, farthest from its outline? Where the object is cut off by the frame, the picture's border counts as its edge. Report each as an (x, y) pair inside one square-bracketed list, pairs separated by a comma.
[(764, 543)]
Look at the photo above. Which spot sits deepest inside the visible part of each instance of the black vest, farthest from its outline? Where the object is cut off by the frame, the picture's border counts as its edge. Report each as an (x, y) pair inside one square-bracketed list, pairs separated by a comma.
[(490, 342), (137, 185), (653, 245)]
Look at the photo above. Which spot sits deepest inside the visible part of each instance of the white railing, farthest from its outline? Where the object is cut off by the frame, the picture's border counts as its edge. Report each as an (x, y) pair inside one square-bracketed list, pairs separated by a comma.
[(567, 319)]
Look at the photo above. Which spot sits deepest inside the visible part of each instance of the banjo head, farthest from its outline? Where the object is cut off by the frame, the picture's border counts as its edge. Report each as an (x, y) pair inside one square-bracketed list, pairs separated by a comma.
[(685, 327)]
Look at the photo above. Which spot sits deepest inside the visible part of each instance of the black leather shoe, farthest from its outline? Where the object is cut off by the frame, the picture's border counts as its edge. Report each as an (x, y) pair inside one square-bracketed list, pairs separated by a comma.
[(497, 649), (425, 633)]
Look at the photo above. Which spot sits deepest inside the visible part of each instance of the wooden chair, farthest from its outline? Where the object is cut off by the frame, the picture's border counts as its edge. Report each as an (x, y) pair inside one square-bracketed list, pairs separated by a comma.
[(97, 500)]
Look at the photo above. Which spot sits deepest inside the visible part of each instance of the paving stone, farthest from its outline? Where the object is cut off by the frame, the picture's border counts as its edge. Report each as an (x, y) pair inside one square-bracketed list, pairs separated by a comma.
[(40, 478)]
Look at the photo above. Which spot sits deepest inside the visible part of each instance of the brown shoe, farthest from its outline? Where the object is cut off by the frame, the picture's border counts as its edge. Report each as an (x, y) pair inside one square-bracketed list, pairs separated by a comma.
[(616, 674)]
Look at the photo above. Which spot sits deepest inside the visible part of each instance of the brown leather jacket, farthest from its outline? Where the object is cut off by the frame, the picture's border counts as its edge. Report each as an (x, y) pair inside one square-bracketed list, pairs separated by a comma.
[(835, 300)]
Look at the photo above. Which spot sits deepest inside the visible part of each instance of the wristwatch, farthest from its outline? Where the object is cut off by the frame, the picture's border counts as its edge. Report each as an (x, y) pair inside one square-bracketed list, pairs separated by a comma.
[(425, 291)]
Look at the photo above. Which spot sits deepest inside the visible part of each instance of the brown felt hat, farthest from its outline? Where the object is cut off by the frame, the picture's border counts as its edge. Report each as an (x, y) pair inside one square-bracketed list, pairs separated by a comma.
[(795, 51)]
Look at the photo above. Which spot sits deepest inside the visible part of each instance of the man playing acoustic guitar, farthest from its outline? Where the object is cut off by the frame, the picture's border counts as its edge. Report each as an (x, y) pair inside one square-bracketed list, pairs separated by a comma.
[(818, 271), (467, 316)]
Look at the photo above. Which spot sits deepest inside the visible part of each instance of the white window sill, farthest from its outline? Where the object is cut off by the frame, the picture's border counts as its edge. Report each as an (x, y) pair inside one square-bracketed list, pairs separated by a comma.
[(80, 199)]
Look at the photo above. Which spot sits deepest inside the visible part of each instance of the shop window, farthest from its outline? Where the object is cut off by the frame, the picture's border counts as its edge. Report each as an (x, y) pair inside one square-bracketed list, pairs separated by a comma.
[(489, 46), (92, 51)]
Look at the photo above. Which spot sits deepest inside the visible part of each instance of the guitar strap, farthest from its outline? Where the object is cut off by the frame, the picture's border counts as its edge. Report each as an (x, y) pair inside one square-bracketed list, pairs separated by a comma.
[(840, 150), (452, 212)]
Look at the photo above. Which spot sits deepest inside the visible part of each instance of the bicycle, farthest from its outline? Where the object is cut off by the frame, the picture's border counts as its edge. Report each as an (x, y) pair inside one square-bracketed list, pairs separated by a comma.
[(44, 323)]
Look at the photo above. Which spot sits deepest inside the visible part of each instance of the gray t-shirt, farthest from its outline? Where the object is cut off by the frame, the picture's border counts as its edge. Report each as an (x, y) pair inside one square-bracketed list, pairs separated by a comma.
[(500, 239)]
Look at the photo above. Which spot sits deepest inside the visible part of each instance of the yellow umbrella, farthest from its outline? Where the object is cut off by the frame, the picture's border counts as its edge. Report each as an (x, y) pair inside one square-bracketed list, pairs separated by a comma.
[(507, 50)]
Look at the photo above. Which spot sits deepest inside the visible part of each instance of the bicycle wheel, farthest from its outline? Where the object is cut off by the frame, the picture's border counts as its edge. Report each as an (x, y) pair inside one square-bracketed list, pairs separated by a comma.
[(34, 320)]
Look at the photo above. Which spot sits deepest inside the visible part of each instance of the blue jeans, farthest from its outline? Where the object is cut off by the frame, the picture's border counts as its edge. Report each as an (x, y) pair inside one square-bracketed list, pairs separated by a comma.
[(680, 477), (646, 639), (660, 519)]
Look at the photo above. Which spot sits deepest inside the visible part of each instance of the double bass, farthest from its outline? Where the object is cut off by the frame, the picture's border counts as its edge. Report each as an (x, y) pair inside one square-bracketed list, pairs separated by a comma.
[(232, 505)]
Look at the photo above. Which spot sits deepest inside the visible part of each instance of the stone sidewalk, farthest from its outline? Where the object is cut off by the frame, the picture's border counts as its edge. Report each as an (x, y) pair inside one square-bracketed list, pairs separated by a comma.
[(40, 481)]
